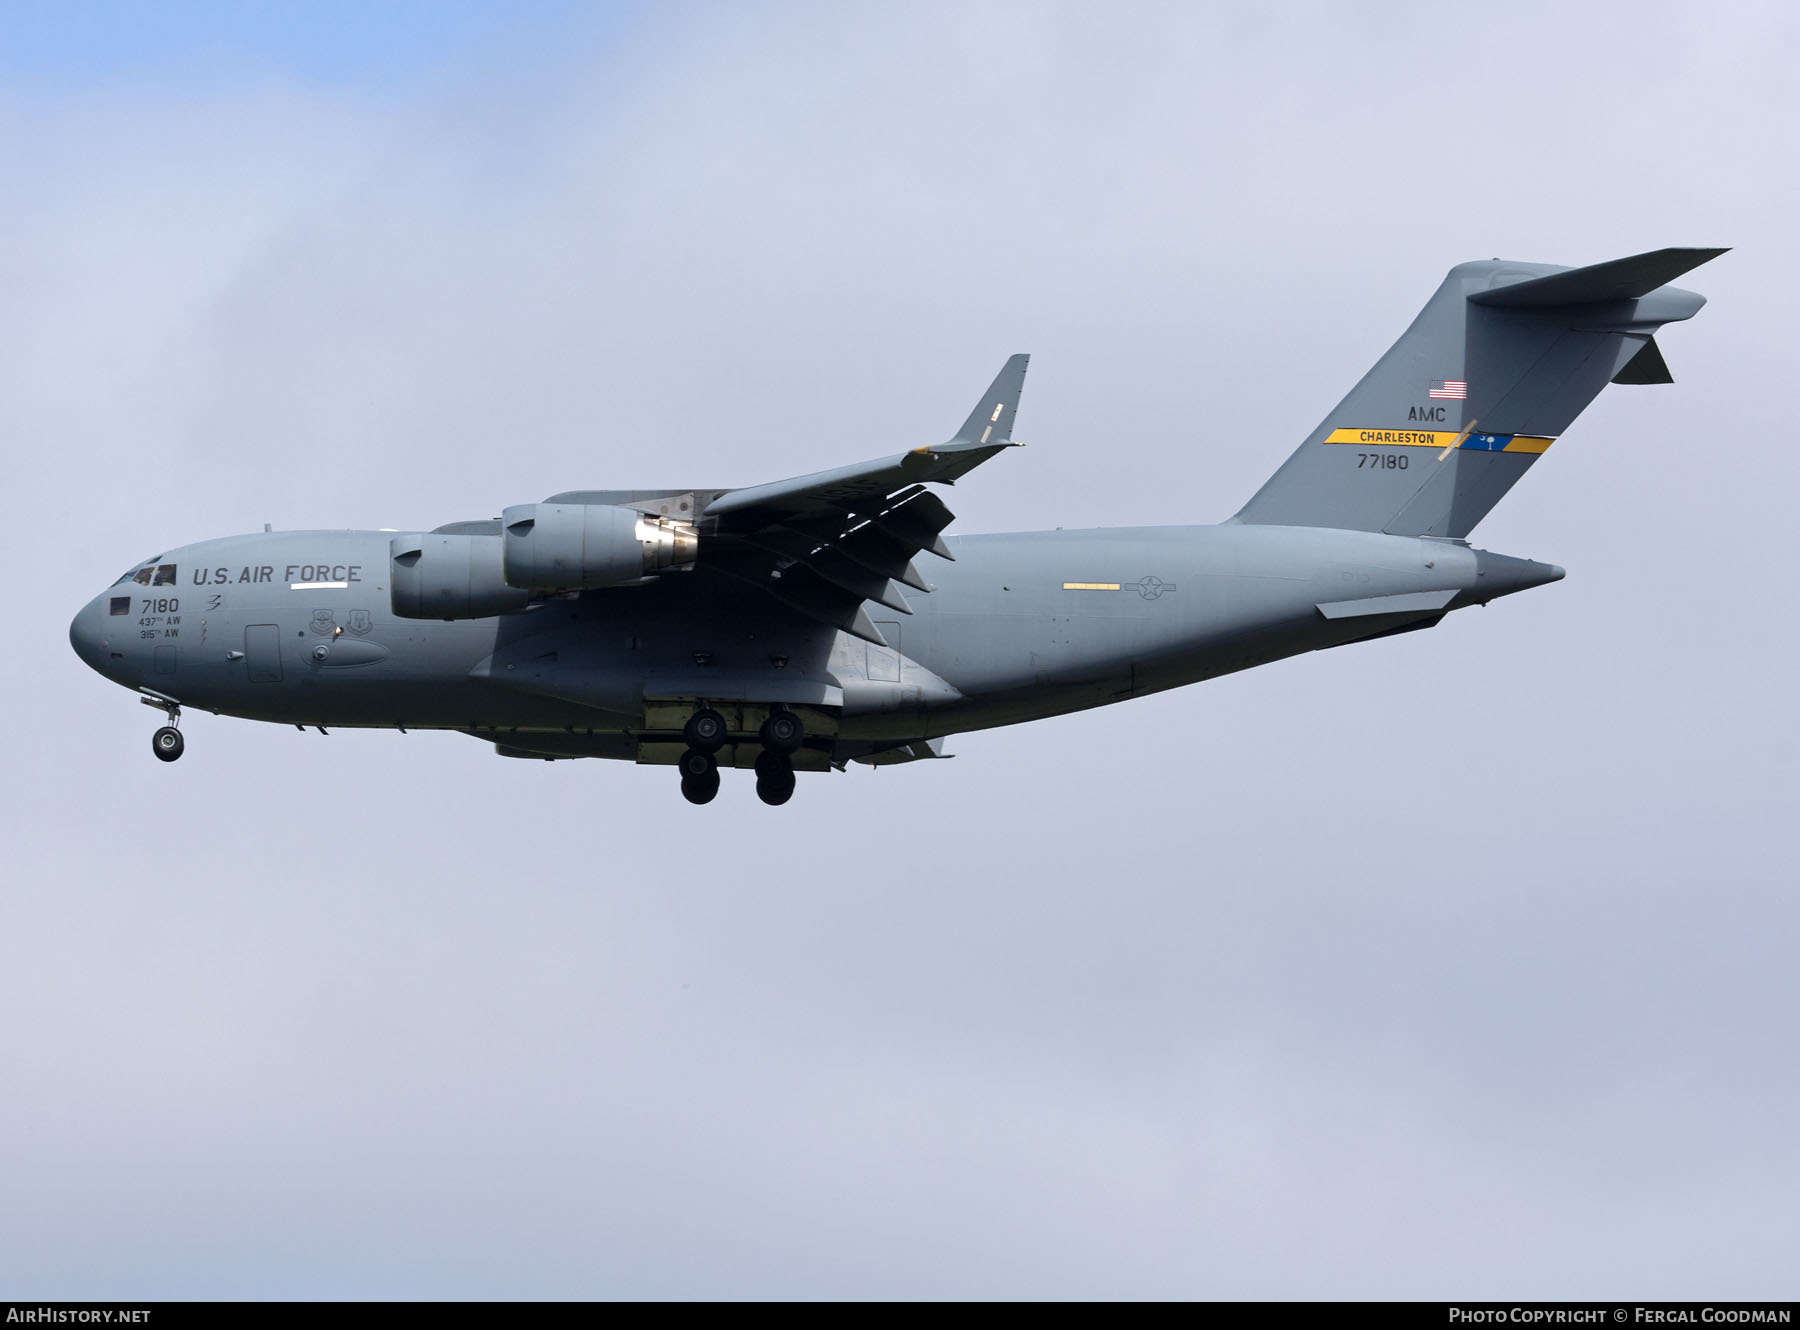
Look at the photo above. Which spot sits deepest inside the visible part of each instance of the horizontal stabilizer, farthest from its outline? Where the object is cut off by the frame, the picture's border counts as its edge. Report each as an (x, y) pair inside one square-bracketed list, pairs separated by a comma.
[(1647, 366), (1617, 279)]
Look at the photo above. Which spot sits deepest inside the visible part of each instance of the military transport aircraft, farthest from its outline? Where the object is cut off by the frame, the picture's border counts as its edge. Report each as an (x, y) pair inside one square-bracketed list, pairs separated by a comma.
[(790, 626)]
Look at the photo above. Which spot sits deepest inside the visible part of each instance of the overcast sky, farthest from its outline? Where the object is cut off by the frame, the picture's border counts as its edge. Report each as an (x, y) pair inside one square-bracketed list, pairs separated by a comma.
[(1459, 964)]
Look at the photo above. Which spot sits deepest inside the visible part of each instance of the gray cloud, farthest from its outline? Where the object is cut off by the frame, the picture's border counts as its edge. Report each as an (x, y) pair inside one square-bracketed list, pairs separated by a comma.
[(1450, 965)]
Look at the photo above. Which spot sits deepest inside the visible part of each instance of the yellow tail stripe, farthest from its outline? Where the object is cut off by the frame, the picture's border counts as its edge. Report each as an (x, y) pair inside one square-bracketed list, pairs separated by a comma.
[(1394, 438), (1425, 438)]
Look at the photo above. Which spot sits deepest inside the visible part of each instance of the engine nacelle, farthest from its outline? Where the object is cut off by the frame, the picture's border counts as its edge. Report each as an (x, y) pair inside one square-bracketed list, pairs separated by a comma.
[(451, 577), (583, 546)]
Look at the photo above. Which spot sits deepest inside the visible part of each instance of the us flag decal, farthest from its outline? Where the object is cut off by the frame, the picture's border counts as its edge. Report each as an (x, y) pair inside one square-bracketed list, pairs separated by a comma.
[(1456, 388)]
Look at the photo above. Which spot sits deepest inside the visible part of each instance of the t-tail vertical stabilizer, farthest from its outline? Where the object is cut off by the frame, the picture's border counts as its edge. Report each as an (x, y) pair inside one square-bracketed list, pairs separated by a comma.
[(1492, 370)]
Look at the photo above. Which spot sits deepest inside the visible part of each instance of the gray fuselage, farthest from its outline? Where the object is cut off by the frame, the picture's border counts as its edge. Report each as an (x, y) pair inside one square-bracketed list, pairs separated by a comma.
[(297, 628)]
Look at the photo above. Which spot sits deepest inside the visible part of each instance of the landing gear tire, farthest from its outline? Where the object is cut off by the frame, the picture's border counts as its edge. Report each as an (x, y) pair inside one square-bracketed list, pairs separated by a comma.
[(699, 776), (167, 743), (782, 733), (701, 790), (774, 778), (705, 731)]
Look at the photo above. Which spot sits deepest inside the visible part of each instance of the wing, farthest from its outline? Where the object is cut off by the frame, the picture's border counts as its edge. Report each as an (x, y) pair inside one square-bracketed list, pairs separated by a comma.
[(825, 543)]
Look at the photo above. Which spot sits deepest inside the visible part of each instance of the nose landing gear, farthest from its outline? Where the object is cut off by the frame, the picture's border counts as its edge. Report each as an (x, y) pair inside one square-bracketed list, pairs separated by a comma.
[(166, 743)]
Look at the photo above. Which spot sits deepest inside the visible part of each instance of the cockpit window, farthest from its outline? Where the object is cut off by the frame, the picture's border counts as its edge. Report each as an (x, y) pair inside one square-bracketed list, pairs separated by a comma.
[(149, 573)]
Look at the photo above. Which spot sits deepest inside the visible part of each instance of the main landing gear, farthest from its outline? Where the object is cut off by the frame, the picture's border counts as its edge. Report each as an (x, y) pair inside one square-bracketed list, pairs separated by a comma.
[(706, 731), (774, 778), (781, 733), (699, 776)]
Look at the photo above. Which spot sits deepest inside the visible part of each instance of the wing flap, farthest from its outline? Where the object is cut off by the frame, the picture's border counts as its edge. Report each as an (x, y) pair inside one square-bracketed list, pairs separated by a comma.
[(836, 566), (919, 521)]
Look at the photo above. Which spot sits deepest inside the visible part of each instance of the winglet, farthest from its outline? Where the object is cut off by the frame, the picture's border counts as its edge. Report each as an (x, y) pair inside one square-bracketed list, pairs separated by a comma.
[(992, 419)]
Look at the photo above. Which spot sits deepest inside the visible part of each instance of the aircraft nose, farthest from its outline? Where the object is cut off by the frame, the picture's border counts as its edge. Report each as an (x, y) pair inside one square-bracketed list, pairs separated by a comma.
[(87, 634)]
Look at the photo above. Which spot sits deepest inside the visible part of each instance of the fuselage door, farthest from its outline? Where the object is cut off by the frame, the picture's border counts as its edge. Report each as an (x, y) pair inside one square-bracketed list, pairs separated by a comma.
[(262, 652)]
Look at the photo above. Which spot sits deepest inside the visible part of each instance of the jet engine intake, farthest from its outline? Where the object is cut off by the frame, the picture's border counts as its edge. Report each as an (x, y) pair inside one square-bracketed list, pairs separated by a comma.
[(451, 577), (583, 546)]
